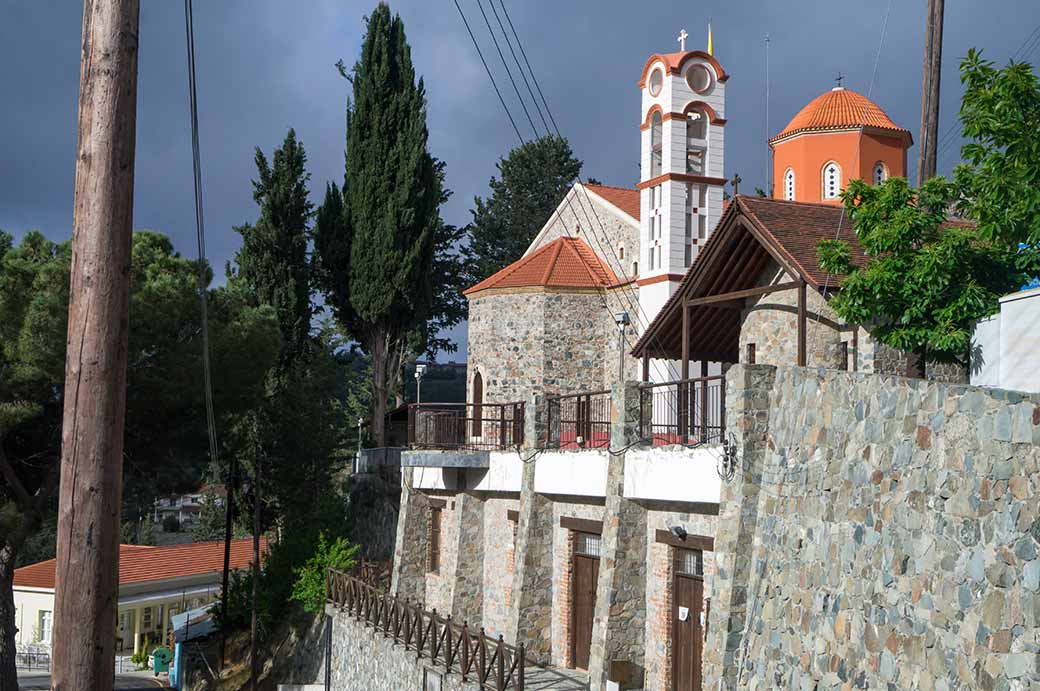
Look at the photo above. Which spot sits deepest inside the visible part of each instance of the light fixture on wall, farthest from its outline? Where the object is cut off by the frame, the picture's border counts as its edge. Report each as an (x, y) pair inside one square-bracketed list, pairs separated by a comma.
[(622, 320), (678, 531)]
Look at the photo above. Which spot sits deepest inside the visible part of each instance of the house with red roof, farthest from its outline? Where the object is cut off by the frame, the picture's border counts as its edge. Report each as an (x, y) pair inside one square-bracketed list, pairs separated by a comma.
[(154, 584)]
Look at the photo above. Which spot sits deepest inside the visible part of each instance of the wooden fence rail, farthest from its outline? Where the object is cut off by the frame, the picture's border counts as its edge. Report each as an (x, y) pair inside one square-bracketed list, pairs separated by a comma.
[(490, 662)]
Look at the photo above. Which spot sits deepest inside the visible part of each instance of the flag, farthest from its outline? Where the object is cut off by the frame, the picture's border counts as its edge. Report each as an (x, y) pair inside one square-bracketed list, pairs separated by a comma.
[(711, 48)]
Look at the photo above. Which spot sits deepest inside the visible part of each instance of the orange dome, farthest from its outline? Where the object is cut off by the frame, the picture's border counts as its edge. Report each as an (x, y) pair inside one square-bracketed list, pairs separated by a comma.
[(840, 109)]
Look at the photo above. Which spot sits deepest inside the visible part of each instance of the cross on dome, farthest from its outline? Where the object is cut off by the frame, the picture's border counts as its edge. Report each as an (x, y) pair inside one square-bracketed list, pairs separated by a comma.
[(682, 39), (840, 79)]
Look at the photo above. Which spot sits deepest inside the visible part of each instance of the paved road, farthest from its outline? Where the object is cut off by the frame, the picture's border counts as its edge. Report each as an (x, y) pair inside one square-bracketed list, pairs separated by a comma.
[(125, 682)]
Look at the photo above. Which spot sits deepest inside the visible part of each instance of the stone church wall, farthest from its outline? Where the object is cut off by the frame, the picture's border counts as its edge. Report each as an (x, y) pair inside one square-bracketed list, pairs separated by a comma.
[(880, 532), (504, 331)]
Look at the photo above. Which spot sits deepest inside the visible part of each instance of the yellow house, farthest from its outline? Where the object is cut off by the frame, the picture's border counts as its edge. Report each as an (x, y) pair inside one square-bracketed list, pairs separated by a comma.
[(154, 584)]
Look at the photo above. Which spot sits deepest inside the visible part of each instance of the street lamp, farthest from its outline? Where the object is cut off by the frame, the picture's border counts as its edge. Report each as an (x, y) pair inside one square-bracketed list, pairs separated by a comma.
[(622, 320), (420, 370)]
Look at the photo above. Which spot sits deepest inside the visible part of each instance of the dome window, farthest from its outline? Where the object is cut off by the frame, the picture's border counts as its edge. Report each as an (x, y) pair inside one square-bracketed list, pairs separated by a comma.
[(656, 81), (789, 185), (880, 172), (699, 78), (831, 180)]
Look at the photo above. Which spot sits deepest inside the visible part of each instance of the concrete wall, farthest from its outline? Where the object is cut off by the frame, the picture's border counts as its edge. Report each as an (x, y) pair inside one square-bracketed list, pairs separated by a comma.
[(880, 532), (1007, 345)]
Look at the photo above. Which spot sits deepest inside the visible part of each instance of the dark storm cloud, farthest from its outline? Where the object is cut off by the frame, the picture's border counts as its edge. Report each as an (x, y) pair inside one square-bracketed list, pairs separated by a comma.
[(265, 66)]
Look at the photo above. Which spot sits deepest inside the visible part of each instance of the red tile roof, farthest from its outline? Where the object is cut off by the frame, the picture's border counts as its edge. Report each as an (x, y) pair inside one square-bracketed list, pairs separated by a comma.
[(839, 109), (141, 564), (624, 198), (563, 263)]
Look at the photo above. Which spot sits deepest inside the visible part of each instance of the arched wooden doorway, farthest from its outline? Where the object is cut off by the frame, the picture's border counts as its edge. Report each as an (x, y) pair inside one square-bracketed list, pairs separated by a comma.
[(478, 405)]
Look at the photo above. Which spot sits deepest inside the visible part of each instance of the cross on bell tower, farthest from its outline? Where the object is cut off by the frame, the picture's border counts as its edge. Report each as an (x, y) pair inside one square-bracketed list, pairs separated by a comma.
[(682, 40)]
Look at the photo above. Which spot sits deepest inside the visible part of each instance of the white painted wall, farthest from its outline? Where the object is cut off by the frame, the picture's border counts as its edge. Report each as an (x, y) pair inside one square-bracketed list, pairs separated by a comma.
[(673, 474), (1006, 348), (28, 603), (578, 473)]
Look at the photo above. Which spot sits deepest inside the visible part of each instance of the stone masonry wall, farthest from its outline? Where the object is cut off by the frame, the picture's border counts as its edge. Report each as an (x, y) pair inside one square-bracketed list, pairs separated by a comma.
[(896, 531), (498, 561), (503, 332), (366, 661)]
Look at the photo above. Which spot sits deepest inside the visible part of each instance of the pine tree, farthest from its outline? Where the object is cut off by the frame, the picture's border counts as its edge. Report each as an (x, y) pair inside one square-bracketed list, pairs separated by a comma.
[(533, 180), (273, 259), (376, 257)]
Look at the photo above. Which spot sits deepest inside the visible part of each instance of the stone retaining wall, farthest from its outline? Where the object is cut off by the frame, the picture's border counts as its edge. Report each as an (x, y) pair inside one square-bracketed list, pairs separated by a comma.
[(363, 660), (880, 533)]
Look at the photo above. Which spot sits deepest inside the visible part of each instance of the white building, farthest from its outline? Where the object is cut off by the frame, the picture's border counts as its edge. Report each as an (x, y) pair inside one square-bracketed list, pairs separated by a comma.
[(186, 508), (1006, 347), (154, 584)]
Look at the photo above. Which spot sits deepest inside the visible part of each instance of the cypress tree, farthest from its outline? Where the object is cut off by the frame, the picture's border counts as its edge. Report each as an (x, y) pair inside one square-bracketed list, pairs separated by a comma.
[(376, 257)]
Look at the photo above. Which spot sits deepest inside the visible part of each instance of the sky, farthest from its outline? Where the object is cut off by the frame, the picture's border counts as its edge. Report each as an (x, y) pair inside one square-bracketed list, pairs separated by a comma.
[(264, 66)]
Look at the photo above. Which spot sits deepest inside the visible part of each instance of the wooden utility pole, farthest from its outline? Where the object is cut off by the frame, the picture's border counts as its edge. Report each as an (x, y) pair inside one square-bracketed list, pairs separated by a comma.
[(930, 91), (254, 648), (87, 574)]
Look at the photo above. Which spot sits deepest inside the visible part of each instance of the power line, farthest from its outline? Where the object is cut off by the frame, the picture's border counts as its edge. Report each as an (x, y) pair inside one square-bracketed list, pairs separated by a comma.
[(505, 64), (527, 62), (520, 69), (488, 70)]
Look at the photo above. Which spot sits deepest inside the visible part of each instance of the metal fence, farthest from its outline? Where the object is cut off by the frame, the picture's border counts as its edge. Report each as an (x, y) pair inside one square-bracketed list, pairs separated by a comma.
[(465, 426), (580, 421), (688, 411), (491, 663), (32, 659)]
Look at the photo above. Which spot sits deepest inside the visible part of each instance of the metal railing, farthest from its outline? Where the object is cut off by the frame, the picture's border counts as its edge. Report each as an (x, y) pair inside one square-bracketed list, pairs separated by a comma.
[(465, 426), (32, 659), (580, 421), (688, 411), (491, 663)]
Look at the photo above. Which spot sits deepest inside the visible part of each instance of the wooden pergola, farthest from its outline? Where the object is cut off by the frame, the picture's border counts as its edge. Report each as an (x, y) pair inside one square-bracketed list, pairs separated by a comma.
[(702, 320)]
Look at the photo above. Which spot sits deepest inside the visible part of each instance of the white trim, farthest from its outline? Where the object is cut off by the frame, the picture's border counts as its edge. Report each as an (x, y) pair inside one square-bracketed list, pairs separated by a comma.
[(563, 206), (1020, 295), (166, 595), (32, 589)]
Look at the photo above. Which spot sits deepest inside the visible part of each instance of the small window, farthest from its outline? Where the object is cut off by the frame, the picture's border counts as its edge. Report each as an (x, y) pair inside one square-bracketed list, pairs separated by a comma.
[(46, 624), (635, 268), (621, 252), (699, 78), (689, 562), (789, 185), (587, 544), (750, 354), (880, 172), (656, 81), (433, 556), (843, 355), (831, 181)]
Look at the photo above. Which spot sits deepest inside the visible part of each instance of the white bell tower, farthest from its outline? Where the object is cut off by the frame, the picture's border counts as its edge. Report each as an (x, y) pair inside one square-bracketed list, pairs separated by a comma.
[(682, 175)]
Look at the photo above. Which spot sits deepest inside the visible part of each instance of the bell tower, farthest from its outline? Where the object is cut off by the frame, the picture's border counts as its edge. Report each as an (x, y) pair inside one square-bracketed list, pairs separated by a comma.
[(683, 116)]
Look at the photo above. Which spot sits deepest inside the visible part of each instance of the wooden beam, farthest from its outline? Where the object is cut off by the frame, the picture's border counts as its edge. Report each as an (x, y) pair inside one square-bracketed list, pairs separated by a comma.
[(685, 345), (742, 294), (701, 542), (801, 324), (582, 525), (646, 366)]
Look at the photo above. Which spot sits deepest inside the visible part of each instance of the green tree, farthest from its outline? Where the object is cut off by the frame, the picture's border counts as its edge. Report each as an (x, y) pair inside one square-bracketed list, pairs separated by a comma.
[(932, 275), (165, 421), (376, 238), (533, 180)]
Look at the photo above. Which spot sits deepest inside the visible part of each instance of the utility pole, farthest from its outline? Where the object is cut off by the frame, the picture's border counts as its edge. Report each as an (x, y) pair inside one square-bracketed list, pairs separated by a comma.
[(254, 648), (87, 574), (930, 91)]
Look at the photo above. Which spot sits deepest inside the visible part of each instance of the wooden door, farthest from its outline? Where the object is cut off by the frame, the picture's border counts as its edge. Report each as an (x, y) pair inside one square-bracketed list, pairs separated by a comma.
[(687, 632), (583, 597)]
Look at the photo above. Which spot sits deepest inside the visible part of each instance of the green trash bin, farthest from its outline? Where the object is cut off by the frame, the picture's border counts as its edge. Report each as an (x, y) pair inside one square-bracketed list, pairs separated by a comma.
[(163, 657)]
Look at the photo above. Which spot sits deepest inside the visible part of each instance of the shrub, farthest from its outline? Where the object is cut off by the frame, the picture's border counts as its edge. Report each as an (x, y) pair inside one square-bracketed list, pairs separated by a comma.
[(170, 524), (309, 584)]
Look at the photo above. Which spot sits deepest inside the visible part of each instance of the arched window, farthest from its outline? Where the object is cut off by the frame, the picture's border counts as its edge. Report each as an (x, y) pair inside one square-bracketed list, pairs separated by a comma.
[(621, 253), (635, 269), (478, 405), (696, 141), (789, 185), (831, 180), (655, 144), (880, 172)]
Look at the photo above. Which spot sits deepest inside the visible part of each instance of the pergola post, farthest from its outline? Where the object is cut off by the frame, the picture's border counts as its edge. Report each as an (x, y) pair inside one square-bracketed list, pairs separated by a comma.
[(684, 387), (801, 324), (646, 367)]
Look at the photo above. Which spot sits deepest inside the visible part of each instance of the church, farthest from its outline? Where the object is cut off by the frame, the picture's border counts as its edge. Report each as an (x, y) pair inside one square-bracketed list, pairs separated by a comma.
[(595, 292), (569, 510)]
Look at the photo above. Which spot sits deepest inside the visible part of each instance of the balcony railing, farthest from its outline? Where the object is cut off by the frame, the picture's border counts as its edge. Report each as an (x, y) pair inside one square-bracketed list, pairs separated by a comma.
[(491, 663), (689, 411), (465, 426), (580, 421)]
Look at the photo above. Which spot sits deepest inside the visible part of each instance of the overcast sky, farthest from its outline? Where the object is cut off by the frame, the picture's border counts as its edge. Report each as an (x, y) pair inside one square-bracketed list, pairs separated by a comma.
[(267, 65)]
